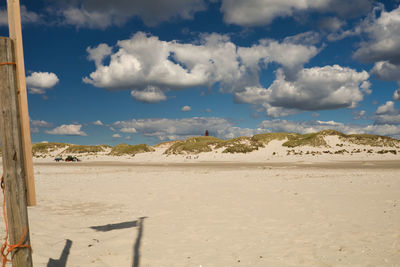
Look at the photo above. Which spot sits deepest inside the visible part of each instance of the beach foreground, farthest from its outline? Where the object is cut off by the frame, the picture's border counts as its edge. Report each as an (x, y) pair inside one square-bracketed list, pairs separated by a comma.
[(112, 214)]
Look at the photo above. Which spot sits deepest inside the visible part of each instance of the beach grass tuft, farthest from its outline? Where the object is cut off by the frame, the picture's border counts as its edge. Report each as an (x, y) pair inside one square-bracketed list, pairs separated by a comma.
[(125, 149), (194, 145)]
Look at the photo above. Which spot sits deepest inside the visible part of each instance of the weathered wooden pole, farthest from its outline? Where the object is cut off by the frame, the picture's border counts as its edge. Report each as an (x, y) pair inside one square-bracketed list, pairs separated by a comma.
[(14, 26), (13, 158)]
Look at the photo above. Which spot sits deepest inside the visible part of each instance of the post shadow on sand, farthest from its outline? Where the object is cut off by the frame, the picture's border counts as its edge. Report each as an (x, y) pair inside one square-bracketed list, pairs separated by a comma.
[(62, 261), (114, 226), (136, 246), (124, 225)]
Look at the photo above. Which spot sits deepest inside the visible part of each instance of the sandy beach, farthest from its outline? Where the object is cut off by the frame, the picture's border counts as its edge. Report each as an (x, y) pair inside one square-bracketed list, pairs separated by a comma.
[(216, 214)]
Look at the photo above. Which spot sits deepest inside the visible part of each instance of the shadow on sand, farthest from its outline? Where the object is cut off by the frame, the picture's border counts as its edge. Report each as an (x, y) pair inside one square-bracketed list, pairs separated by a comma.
[(62, 261), (136, 246), (115, 226), (124, 225)]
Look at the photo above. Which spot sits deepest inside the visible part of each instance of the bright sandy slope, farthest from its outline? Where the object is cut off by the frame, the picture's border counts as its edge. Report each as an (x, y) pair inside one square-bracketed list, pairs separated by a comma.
[(254, 209)]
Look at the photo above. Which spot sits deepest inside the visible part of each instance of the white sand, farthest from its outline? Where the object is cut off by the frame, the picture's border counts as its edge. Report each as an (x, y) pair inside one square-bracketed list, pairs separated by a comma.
[(265, 208), (282, 214)]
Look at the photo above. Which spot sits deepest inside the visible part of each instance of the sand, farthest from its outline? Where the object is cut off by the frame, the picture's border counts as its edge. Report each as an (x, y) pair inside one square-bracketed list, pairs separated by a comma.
[(126, 213)]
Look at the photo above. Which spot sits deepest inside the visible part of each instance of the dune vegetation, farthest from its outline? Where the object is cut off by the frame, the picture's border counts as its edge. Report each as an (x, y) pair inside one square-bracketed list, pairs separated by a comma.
[(125, 149), (371, 140), (194, 145), (41, 148), (78, 149)]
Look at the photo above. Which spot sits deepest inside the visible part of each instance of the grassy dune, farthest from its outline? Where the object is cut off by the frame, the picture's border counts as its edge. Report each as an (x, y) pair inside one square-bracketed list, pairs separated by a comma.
[(125, 149), (243, 144), (78, 149), (194, 145), (42, 148)]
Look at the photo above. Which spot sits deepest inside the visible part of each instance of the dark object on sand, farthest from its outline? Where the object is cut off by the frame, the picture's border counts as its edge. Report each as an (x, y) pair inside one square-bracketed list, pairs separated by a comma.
[(71, 159), (58, 159)]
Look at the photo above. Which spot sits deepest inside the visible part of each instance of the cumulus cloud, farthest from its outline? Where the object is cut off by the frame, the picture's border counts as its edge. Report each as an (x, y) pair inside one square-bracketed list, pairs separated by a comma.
[(103, 13), (387, 114), (116, 136), (317, 88), (173, 129), (98, 53), (67, 129), (384, 70), (263, 12), (186, 108), (387, 108), (383, 31), (98, 123), (150, 94), (315, 126), (128, 130), (149, 66), (39, 82)]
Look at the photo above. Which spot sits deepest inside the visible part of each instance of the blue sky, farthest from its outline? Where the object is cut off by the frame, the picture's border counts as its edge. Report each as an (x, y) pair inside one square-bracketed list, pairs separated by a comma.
[(109, 72)]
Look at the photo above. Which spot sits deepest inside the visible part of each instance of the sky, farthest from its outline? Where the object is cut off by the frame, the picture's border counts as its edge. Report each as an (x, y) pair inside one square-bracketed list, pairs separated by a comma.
[(122, 71)]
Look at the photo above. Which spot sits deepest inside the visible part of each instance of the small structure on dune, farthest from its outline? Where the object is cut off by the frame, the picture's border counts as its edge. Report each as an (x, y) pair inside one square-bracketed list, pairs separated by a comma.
[(206, 134)]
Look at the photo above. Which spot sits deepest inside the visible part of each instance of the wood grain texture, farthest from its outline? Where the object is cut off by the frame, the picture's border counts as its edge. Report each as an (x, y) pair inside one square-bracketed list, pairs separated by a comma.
[(14, 25), (13, 161)]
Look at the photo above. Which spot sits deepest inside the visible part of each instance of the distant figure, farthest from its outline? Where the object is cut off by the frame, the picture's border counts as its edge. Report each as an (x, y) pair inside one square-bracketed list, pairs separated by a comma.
[(206, 133)]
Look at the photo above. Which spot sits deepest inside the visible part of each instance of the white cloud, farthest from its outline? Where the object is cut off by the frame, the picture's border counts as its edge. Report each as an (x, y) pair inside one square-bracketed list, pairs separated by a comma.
[(116, 136), (384, 70), (383, 32), (98, 53), (104, 13), (147, 62), (128, 130), (150, 94), (68, 129), (39, 82), (317, 88), (186, 108), (172, 129), (387, 114), (263, 12), (27, 17), (40, 123), (396, 94), (315, 126), (35, 125), (98, 122), (331, 24), (387, 108)]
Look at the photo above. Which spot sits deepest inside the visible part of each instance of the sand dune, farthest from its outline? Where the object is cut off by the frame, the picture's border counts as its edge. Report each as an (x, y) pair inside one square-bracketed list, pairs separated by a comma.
[(219, 209)]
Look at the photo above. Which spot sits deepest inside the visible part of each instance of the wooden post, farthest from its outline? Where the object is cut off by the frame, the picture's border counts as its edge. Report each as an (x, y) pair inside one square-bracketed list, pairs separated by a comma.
[(14, 25), (13, 161)]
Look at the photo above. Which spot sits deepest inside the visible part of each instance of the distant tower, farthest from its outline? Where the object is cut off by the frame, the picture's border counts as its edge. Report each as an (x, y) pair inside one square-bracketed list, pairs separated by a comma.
[(206, 133)]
